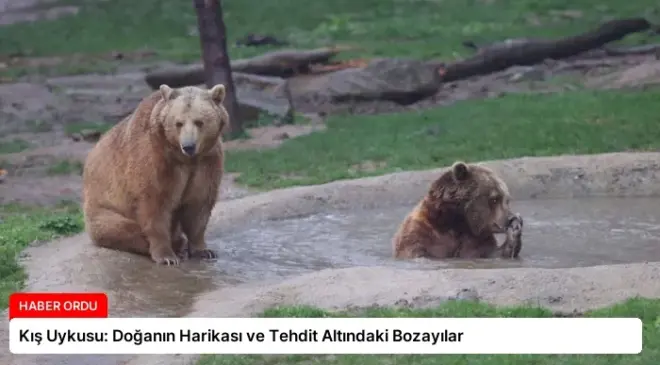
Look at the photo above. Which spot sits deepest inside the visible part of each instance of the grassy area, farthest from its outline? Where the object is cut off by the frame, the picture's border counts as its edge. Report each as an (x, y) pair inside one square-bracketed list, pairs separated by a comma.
[(73, 128), (647, 310), (580, 122), (66, 167), (21, 226), (13, 146), (415, 28)]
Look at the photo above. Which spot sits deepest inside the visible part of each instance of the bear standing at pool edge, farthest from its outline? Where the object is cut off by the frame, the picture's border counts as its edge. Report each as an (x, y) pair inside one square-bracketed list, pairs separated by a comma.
[(156, 175), (459, 216)]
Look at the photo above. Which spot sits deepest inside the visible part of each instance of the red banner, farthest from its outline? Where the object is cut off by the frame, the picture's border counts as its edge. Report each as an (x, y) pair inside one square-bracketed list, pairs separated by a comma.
[(58, 305)]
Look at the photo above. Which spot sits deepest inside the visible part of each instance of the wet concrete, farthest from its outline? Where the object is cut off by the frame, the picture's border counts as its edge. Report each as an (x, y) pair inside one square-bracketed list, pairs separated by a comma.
[(337, 265)]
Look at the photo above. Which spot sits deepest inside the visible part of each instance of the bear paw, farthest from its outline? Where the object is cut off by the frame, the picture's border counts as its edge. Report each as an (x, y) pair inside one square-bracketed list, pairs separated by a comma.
[(168, 260), (204, 254), (183, 255), (515, 225)]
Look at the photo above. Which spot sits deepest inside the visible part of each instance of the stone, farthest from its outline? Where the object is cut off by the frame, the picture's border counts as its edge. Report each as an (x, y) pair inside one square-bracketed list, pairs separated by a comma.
[(400, 80)]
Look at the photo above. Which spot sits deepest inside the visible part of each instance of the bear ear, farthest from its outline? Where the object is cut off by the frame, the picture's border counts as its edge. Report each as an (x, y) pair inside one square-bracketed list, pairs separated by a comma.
[(460, 171), (167, 92), (218, 93)]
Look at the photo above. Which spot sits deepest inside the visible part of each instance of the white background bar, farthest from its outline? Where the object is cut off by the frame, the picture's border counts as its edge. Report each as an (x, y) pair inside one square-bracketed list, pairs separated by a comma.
[(318, 336)]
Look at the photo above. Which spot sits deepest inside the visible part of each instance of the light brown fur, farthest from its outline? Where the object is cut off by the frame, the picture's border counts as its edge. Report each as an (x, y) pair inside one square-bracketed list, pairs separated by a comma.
[(459, 216), (142, 191)]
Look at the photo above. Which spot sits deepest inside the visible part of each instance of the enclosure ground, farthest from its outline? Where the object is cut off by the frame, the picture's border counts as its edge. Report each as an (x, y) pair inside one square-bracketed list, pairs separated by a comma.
[(647, 310), (576, 122), (122, 40), (119, 45)]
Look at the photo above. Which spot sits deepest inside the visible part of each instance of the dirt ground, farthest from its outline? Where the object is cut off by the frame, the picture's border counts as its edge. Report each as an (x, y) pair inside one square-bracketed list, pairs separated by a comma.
[(36, 111)]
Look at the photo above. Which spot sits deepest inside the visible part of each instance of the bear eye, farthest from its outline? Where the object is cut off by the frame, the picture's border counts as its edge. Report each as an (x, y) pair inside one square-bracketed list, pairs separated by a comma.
[(494, 200), (199, 123), (179, 124)]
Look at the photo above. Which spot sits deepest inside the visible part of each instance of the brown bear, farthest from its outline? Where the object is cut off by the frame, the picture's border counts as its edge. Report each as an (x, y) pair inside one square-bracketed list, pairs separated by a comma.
[(459, 216), (156, 175)]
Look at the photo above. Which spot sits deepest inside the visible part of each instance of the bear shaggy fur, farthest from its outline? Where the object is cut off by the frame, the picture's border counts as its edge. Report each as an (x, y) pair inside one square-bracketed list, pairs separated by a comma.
[(155, 176), (459, 216)]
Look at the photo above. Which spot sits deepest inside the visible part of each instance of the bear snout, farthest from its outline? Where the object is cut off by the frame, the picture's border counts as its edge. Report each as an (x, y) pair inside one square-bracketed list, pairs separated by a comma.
[(189, 149), (498, 228), (501, 223)]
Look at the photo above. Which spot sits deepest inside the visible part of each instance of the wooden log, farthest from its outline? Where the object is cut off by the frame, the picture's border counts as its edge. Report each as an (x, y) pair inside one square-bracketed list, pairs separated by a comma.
[(280, 63), (536, 51)]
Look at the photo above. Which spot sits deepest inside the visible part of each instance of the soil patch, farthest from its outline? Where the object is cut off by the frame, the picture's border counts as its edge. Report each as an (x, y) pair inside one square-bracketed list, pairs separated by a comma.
[(40, 111)]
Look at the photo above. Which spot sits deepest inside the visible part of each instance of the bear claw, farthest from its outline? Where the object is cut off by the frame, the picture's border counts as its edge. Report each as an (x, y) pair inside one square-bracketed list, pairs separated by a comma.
[(168, 261), (205, 254)]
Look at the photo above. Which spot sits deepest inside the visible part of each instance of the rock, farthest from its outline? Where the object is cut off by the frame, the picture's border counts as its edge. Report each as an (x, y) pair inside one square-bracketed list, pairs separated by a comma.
[(281, 136), (248, 113), (253, 102), (645, 74), (467, 294), (76, 137), (90, 135), (101, 97), (554, 299), (526, 73), (399, 80)]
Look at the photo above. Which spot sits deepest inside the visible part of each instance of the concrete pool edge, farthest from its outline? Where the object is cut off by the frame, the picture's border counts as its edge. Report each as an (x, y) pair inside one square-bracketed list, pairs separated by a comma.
[(614, 174)]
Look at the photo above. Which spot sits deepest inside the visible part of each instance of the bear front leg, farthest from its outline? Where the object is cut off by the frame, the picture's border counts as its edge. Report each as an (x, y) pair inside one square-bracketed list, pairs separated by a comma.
[(155, 222), (179, 241), (194, 220), (513, 243)]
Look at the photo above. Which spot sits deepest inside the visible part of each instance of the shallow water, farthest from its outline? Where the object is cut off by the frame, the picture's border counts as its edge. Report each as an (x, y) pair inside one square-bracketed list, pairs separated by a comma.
[(557, 233)]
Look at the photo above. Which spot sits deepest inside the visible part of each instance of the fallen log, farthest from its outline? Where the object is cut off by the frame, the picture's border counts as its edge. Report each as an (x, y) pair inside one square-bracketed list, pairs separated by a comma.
[(280, 63), (536, 51)]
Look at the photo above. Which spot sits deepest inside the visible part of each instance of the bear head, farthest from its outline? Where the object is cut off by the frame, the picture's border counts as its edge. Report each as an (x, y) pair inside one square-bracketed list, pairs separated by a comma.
[(471, 199), (193, 119)]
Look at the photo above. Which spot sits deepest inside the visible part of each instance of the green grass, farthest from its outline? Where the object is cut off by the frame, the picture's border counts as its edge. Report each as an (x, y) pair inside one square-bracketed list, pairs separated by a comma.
[(648, 310), (72, 128), (66, 167), (21, 226), (415, 28), (13, 146), (579, 122)]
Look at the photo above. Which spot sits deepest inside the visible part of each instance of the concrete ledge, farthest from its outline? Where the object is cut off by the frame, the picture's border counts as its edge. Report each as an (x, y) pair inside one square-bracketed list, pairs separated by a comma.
[(613, 174)]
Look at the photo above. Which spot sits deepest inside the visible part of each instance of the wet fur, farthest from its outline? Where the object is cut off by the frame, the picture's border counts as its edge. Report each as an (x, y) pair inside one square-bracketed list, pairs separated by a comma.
[(458, 218), (141, 194)]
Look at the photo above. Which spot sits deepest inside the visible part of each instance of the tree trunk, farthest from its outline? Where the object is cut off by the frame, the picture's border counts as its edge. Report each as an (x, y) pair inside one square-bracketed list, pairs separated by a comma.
[(217, 69)]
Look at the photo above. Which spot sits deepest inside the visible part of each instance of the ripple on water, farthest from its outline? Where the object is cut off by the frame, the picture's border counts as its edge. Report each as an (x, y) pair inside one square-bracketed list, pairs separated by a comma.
[(558, 233)]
